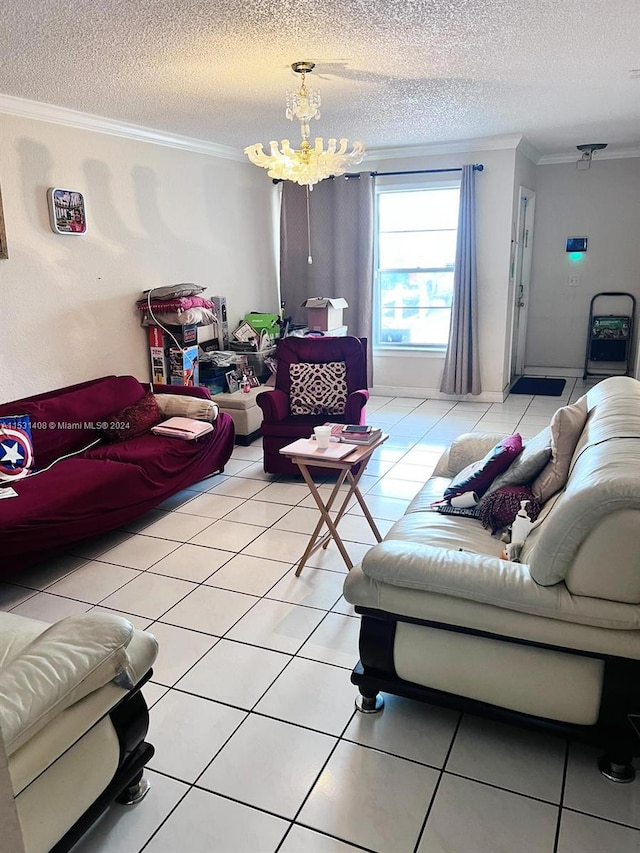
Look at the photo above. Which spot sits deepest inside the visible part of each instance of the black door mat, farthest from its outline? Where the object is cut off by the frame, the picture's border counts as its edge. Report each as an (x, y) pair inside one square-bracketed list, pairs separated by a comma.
[(537, 385)]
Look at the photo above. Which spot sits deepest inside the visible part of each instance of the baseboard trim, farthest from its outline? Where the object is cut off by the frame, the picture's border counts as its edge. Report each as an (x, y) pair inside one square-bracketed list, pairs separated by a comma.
[(532, 370), (435, 394)]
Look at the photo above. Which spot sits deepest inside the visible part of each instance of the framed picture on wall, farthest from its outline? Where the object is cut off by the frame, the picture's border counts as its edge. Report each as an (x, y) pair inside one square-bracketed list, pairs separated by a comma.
[(4, 252), (67, 213)]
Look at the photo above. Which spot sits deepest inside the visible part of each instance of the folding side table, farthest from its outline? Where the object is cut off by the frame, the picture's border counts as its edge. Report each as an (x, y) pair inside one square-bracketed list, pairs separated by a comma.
[(305, 453)]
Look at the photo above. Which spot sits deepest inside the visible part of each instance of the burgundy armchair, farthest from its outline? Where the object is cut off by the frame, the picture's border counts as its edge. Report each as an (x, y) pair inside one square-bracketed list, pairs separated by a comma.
[(279, 426)]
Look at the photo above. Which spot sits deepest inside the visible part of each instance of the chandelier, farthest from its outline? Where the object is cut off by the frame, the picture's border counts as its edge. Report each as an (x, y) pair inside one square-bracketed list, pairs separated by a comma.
[(307, 165)]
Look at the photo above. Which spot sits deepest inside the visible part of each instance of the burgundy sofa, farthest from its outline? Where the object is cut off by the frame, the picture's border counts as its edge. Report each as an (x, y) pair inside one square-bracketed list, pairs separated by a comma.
[(105, 486), (279, 426)]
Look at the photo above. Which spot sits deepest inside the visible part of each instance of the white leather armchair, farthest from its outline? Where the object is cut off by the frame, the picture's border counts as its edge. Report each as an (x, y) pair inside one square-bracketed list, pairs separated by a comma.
[(73, 721)]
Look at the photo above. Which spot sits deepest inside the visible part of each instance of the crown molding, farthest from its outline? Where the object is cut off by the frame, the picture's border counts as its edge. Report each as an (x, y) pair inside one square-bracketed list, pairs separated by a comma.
[(487, 143), (614, 154), (529, 151), (86, 121), (41, 111)]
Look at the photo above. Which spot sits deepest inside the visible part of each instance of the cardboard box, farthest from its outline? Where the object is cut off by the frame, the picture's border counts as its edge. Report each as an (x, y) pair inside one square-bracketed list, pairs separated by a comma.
[(220, 307), (183, 366), (208, 335), (185, 335), (325, 313), (160, 346), (159, 366)]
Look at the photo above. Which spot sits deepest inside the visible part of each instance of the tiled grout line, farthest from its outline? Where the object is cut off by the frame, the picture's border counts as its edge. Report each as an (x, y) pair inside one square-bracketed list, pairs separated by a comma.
[(169, 813), (319, 774), (502, 788), (565, 767), (606, 819), (326, 612), (247, 714), (326, 835), (442, 771), (244, 710), (246, 805), (437, 785)]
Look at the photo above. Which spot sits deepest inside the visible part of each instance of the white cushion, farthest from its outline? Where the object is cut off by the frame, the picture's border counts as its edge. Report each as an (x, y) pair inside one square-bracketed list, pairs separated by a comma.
[(490, 580), (363, 591), (469, 447), (566, 426), (66, 662), (46, 746), (16, 632), (186, 406)]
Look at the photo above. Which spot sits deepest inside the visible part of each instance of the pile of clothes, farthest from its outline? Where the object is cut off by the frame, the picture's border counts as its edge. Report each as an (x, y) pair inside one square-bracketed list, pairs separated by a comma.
[(176, 305)]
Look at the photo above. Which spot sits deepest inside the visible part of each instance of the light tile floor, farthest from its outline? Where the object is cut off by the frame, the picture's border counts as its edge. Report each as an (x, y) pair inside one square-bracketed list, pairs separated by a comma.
[(258, 746)]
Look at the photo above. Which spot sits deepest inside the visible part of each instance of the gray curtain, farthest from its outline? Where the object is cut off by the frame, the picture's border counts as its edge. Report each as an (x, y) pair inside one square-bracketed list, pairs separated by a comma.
[(461, 373), (341, 230)]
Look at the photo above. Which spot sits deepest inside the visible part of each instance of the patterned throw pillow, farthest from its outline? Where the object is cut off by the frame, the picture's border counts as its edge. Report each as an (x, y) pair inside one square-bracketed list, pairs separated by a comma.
[(318, 389), (16, 447), (133, 421), (499, 509)]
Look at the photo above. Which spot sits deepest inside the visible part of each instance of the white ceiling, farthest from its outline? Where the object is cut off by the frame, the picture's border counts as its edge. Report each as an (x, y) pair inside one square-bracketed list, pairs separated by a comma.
[(391, 74)]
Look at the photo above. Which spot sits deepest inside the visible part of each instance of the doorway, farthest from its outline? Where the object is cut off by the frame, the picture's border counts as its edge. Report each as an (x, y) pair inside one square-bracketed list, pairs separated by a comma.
[(523, 253)]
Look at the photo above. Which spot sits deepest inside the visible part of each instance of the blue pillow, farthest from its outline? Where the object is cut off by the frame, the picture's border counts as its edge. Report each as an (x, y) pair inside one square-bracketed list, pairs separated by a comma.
[(16, 447)]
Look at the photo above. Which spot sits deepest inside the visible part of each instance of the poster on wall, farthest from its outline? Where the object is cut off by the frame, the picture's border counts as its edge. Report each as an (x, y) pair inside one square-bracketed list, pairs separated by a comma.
[(67, 212), (4, 252)]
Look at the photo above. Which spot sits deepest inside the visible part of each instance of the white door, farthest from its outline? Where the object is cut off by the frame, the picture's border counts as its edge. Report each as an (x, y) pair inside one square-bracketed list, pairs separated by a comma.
[(523, 252)]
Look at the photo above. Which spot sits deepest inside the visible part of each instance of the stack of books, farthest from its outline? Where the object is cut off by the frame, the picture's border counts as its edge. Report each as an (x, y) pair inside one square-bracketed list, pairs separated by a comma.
[(354, 433)]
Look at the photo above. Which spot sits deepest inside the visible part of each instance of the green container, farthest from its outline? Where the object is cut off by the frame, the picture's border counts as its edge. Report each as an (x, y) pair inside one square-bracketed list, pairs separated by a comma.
[(269, 322)]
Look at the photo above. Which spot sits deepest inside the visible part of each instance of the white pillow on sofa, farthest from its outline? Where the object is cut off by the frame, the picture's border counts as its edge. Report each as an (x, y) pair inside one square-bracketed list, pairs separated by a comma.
[(185, 406), (566, 427)]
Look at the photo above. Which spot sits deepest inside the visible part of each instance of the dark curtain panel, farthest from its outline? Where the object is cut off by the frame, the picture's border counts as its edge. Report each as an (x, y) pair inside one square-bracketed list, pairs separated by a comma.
[(461, 374), (341, 228)]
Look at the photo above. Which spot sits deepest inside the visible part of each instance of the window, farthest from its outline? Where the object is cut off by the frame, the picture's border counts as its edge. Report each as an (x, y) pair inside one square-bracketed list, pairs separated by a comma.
[(415, 257)]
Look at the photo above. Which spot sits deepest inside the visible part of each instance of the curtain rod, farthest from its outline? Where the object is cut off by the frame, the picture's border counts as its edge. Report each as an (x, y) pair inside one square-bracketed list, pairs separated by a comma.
[(477, 167)]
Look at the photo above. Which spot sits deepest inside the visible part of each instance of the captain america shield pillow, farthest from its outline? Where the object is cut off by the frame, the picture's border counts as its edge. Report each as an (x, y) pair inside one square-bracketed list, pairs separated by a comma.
[(16, 447)]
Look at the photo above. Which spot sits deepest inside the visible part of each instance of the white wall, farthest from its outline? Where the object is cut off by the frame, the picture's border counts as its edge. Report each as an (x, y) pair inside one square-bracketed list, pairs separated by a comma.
[(421, 372), (603, 204), (156, 215)]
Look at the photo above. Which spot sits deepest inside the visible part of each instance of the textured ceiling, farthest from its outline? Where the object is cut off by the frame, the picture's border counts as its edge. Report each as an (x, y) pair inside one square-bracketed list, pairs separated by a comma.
[(391, 73)]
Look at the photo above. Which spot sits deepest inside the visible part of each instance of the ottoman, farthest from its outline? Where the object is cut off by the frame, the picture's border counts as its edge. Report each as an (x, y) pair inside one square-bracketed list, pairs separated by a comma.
[(244, 411)]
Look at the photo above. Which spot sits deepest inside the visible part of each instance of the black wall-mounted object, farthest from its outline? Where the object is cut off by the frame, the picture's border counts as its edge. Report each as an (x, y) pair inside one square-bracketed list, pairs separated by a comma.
[(577, 244)]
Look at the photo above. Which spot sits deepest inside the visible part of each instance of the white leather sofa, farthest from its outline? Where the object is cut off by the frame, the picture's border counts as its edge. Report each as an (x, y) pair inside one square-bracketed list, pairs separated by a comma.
[(553, 640), (73, 721)]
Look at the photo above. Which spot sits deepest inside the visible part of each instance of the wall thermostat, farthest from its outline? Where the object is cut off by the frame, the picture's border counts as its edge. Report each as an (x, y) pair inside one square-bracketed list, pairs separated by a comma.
[(577, 244)]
